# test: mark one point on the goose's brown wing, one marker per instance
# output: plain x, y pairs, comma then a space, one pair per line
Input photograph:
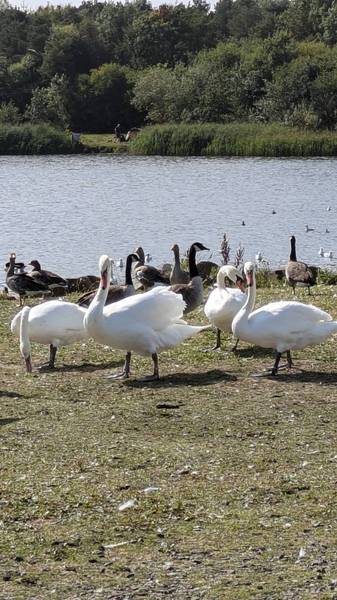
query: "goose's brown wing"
300, 272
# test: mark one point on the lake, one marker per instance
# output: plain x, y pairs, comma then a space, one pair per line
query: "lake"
68, 210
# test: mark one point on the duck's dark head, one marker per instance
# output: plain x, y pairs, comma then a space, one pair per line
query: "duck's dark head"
35, 264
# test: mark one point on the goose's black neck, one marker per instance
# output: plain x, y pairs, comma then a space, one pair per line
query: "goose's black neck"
191, 262
128, 278
292, 249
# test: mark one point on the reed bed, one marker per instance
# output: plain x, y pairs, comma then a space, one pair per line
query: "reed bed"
233, 139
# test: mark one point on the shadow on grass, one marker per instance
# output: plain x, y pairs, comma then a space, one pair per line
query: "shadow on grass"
320, 377
254, 352
86, 367
6, 394
9, 421
178, 379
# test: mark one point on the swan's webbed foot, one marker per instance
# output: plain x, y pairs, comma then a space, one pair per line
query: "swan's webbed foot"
217, 347
122, 375
47, 366
155, 375
212, 349
150, 378
125, 374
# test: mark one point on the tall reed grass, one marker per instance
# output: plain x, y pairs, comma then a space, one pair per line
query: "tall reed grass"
233, 139
34, 139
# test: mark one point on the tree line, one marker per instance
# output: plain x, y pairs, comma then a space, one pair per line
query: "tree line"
92, 66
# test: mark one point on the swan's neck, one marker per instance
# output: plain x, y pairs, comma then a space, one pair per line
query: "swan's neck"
292, 250
192, 264
128, 278
220, 279
248, 306
95, 310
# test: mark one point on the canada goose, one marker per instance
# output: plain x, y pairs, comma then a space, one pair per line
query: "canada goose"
298, 273
223, 303
19, 267
55, 323
22, 284
283, 326
192, 292
144, 323
178, 275
51, 280
116, 292
307, 229
146, 275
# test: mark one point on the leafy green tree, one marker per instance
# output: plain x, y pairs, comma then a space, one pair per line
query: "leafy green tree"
67, 52
104, 99
49, 104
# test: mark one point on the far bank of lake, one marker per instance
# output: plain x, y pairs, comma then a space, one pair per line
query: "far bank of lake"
209, 139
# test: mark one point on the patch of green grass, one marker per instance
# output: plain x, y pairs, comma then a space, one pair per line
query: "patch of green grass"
245, 471
103, 142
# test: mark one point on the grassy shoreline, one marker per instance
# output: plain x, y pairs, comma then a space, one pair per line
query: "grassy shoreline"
232, 139
209, 139
245, 469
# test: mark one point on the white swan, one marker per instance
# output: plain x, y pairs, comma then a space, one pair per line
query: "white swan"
25, 347
323, 254
147, 324
224, 303
55, 323
283, 326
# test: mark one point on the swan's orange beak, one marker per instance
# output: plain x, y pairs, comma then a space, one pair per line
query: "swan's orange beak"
104, 279
249, 277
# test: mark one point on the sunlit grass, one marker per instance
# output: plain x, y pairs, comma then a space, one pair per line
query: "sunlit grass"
245, 470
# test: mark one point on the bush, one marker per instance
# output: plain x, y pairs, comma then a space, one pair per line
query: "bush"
9, 114
34, 139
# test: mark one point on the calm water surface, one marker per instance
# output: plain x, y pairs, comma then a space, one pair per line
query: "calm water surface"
66, 211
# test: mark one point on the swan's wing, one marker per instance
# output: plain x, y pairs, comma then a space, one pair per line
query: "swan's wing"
157, 308
290, 316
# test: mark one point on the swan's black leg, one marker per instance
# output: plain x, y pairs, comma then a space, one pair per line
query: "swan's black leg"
125, 374
289, 359
155, 375
52, 355
217, 347
276, 364
234, 348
